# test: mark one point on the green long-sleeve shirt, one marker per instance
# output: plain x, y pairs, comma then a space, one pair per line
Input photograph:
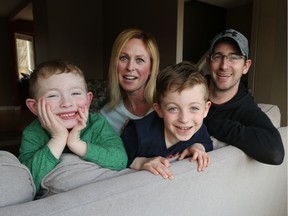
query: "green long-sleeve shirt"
105, 147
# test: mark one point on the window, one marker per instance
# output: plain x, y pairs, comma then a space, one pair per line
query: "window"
25, 55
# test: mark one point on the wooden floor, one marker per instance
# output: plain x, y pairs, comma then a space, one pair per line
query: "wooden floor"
12, 123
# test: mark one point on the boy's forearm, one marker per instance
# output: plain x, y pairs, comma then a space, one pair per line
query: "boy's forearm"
138, 163
56, 146
198, 146
113, 157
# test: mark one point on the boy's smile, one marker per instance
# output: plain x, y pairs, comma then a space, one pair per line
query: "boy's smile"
183, 113
67, 116
64, 94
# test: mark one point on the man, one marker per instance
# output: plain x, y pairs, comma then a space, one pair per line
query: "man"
234, 117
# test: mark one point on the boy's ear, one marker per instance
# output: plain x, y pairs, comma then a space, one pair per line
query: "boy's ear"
158, 110
89, 98
32, 105
207, 107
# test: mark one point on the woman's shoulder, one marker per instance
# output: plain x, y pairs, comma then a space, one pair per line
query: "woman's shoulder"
107, 110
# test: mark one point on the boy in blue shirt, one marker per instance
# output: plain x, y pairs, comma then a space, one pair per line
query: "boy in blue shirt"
175, 127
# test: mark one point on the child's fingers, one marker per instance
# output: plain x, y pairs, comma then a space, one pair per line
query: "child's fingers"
200, 161
83, 113
203, 162
165, 162
195, 156
208, 160
183, 154
45, 111
50, 115
165, 172
152, 170
81, 120
42, 111
86, 111
159, 166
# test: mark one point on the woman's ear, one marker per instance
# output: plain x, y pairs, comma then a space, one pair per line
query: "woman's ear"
32, 105
158, 110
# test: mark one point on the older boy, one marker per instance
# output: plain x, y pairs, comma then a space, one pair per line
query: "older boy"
176, 126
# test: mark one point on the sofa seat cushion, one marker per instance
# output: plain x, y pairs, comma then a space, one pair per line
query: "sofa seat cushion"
16, 184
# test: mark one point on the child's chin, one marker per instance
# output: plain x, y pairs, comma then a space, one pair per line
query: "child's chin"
69, 125
185, 138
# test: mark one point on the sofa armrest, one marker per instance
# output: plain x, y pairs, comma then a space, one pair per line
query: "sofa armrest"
16, 184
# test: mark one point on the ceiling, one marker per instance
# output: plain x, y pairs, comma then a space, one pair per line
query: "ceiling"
22, 9
227, 3
15, 9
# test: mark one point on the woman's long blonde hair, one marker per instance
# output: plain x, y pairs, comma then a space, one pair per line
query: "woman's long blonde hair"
116, 93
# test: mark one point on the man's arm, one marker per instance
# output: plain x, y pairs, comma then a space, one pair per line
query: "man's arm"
253, 133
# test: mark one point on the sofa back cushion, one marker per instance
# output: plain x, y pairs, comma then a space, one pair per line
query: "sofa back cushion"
273, 112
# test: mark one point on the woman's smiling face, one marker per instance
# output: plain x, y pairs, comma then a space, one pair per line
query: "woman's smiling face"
134, 66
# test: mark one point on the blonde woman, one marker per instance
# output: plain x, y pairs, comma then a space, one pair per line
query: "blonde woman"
133, 69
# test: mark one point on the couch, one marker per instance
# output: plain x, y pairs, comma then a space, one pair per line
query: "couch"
233, 185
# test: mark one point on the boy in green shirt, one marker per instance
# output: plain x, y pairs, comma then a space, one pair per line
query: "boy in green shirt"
61, 101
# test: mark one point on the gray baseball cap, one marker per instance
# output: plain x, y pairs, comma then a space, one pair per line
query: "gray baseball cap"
231, 35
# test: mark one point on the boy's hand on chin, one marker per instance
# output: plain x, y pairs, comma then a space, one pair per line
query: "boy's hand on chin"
74, 142
48, 120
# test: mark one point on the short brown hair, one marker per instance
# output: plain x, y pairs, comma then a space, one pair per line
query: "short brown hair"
178, 77
49, 68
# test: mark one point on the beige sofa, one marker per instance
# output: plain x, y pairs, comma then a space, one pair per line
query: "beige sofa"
234, 184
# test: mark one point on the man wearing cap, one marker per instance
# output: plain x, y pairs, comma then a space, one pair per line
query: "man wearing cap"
234, 117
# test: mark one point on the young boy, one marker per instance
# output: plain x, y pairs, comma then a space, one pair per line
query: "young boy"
176, 126
61, 101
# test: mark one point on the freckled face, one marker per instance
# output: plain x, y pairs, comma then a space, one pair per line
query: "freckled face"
134, 66
183, 113
64, 93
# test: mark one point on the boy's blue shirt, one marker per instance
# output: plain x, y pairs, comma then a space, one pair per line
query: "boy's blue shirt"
145, 138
